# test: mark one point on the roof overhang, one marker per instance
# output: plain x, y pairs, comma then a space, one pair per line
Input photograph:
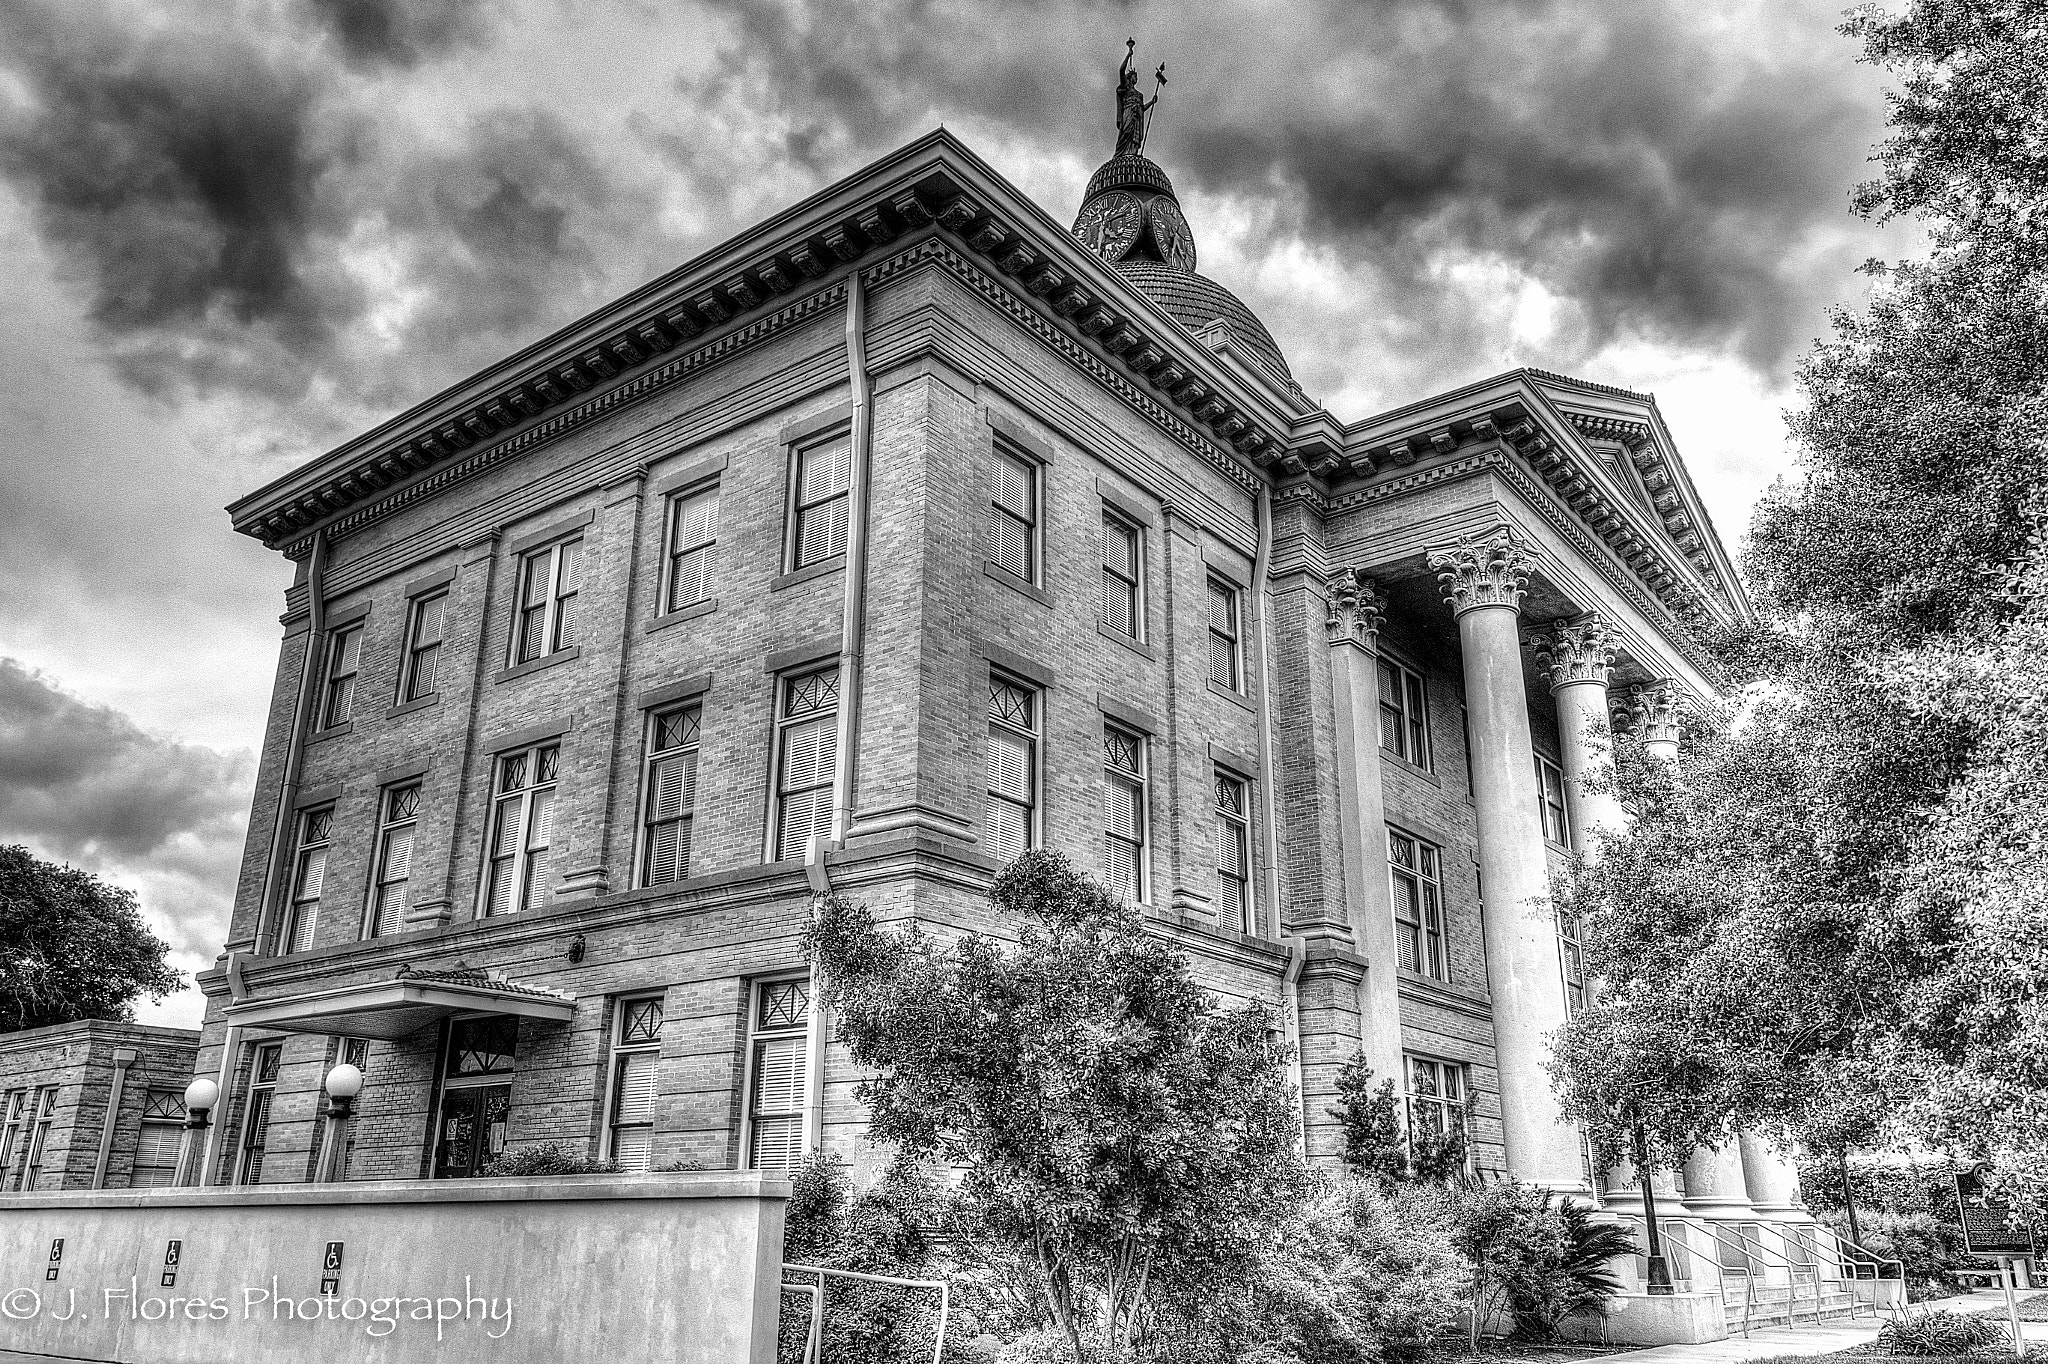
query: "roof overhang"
386, 1010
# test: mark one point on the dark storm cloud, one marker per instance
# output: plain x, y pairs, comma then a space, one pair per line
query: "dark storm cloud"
402, 32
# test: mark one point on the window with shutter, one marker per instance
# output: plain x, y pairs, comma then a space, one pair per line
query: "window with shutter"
344, 661
823, 483
636, 1054
1226, 659
1233, 854
423, 647
1013, 515
522, 830
1550, 802
1011, 811
1122, 561
308, 877
263, 1069
1418, 904
391, 896
778, 1071
156, 1148
807, 732
1437, 1092
669, 797
1124, 814
692, 542
549, 603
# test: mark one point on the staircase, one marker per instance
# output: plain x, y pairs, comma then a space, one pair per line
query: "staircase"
1777, 1305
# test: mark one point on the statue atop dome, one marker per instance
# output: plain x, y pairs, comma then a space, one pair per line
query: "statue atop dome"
1133, 110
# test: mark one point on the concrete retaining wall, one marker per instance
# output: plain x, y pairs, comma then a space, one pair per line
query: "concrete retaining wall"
673, 1267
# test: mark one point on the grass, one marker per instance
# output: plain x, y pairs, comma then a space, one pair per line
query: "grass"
1492, 1350
2031, 1309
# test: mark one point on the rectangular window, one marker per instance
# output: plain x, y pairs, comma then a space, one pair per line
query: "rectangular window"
309, 875
1404, 716
163, 1132
670, 797
1234, 853
548, 582
1123, 558
1011, 814
423, 635
1226, 645
1418, 904
1124, 813
391, 896
692, 544
636, 1051
344, 661
1013, 515
777, 1066
256, 1111
37, 1135
522, 830
1550, 800
1571, 960
806, 753
10, 1135
1437, 1092
822, 504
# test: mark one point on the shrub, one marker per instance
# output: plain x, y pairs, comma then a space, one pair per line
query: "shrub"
1531, 1260
1374, 1145
550, 1158
1929, 1247
1939, 1333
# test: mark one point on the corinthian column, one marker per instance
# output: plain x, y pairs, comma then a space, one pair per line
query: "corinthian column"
1356, 611
1577, 654
1655, 709
1483, 577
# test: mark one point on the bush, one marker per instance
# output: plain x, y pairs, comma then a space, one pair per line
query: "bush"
1531, 1260
1939, 1333
550, 1158
1929, 1247
1374, 1144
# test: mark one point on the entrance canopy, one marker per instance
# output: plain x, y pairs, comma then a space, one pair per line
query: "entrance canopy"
386, 1010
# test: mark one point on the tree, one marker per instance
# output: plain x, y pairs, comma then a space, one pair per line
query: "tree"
1828, 921
1111, 1118
1371, 1122
72, 946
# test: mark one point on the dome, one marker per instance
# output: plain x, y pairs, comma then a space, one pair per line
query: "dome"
1127, 172
1195, 301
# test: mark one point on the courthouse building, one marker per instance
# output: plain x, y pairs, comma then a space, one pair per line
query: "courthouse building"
910, 529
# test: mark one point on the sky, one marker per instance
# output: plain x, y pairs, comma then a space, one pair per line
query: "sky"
237, 232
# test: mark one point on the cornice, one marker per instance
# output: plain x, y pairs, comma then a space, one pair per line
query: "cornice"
732, 298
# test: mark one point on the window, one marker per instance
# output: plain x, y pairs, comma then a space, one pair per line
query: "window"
636, 1048
392, 894
1571, 959
1013, 515
1124, 813
423, 634
777, 1068
256, 1111
1418, 904
10, 1135
163, 1133
1436, 1096
37, 1135
1226, 647
308, 876
692, 542
522, 830
824, 474
1404, 717
1122, 567
806, 752
1011, 815
344, 660
1234, 853
670, 800
1550, 801
548, 579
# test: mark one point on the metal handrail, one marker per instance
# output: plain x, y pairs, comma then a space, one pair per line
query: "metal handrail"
1716, 1231
1877, 1261
817, 1340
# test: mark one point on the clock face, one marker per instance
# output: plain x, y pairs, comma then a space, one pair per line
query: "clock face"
1109, 224
1170, 230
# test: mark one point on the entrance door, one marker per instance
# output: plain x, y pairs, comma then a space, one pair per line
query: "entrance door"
472, 1129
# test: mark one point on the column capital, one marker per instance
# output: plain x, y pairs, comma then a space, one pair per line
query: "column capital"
1581, 649
1655, 711
1488, 569
1357, 608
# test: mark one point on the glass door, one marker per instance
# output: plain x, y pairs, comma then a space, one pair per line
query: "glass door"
476, 1096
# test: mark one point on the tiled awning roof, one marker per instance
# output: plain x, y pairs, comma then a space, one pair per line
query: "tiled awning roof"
390, 1009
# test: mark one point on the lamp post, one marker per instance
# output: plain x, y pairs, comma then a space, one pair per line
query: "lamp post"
1658, 1275
200, 1097
344, 1082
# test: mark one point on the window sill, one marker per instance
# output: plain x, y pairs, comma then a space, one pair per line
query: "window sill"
1143, 650
805, 574
337, 731
696, 612
1402, 764
431, 699
1015, 583
534, 665
1235, 697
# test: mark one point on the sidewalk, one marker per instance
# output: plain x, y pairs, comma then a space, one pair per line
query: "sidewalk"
1825, 1339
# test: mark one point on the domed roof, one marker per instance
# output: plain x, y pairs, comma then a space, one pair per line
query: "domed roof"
1128, 172
1195, 301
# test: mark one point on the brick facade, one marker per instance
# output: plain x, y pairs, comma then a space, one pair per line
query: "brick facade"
77, 1065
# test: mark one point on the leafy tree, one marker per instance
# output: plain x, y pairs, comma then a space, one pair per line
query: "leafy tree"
1374, 1144
72, 946
1827, 922
1112, 1120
